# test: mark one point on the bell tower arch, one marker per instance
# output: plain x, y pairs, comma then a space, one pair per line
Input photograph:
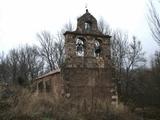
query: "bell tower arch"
87, 42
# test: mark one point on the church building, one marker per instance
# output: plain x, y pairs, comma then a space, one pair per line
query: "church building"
86, 76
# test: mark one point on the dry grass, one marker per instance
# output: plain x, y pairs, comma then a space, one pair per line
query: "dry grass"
23, 105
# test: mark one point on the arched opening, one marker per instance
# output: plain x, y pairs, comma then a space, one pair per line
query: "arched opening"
80, 47
97, 48
87, 26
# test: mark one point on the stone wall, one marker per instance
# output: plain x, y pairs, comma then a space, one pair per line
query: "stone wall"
88, 84
49, 84
88, 78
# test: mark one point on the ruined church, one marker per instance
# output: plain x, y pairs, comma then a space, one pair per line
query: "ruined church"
86, 75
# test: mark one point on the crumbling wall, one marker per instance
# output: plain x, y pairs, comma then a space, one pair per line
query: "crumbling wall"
51, 85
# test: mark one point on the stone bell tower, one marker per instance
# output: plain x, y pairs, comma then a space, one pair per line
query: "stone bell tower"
87, 70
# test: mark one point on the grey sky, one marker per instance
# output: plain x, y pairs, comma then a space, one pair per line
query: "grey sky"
20, 20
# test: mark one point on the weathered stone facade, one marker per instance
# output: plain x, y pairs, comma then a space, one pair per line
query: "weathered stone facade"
50, 84
86, 76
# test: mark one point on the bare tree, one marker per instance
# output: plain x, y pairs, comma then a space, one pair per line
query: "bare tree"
135, 55
67, 27
126, 58
155, 62
47, 49
119, 46
35, 61
21, 65
4, 68
104, 27
154, 21
30, 62
134, 59
59, 49
52, 48
12, 60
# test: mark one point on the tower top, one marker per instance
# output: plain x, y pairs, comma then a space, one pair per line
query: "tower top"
87, 23
87, 11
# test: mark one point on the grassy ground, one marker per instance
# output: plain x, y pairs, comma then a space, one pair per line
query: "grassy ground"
21, 104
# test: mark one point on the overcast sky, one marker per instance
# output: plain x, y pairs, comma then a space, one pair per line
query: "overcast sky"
20, 20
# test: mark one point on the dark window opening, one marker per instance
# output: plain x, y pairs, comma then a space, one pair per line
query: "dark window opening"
40, 86
48, 86
79, 47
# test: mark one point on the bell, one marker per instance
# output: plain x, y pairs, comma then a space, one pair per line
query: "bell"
97, 50
79, 48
